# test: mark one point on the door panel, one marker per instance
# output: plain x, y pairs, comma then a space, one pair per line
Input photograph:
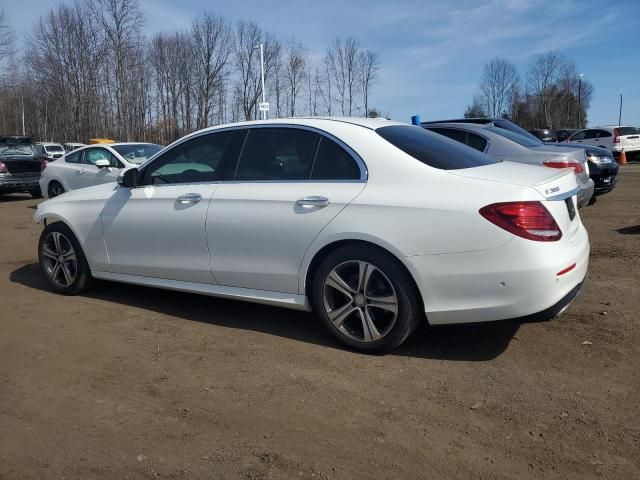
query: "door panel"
159, 231
258, 232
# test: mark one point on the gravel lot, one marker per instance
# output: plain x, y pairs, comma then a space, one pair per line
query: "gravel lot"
132, 382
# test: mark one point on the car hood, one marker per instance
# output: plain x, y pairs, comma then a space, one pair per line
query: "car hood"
549, 182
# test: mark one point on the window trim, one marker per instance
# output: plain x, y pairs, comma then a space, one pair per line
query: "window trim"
364, 172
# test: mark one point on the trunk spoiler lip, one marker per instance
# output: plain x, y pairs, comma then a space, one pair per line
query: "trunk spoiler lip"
564, 195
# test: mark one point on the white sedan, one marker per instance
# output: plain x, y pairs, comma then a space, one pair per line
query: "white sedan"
93, 165
375, 225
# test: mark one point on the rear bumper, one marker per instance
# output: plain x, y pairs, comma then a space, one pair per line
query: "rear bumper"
604, 176
585, 193
14, 183
516, 281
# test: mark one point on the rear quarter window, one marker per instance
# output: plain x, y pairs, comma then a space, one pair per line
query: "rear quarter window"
433, 149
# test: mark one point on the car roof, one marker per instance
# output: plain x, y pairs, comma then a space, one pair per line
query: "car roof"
45, 144
476, 126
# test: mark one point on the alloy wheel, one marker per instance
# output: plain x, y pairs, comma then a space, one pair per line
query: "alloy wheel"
360, 301
59, 258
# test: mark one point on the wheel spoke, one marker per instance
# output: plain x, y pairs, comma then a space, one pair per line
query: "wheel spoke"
55, 271
47, 252
389, 303
68, 278
56, 242
339, 315
369, 329
335, 281
69, 256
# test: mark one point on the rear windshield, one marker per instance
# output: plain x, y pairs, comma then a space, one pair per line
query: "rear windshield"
433, 149
54, 148
516, 137
627, 131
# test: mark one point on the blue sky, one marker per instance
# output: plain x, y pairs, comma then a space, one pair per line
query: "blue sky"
432, 52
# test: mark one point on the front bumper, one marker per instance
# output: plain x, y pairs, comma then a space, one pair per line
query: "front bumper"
604, 176
17, 183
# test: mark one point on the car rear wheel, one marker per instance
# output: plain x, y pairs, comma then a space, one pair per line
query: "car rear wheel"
55, 189
366, 298
62, 260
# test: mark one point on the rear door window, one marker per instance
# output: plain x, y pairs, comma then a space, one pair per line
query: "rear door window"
433, 149
277, 154
579, 135
333, 162
75, 157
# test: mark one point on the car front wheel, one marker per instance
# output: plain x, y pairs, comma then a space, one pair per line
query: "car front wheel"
55, 189
366, 298
62, 260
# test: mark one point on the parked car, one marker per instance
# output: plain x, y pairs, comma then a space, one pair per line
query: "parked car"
70, 147
49, 151
603, 169
545, 134
496, 122
93, 165
19, 167
611, 137
564, 133
504, 144
372, 224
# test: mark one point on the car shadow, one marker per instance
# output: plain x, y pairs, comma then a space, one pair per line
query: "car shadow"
13, 197
456, 343
634, 230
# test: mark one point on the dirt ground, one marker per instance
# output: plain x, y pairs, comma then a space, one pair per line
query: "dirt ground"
133, 382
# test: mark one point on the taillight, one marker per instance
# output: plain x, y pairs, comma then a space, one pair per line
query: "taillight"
530, 220
3, 168
616, 137
577, 167
43, 164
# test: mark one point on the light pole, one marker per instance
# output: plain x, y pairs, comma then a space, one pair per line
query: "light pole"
580, 75
261, 47
620, 114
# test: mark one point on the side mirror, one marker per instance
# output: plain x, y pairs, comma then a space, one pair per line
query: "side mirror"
129, 178
103, 163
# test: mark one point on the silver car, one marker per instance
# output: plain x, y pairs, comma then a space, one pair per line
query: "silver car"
504, 144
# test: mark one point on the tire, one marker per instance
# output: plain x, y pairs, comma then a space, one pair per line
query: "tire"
55, 188
36, 193
370, 303
73, 275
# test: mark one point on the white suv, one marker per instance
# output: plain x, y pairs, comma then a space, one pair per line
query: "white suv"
611, 137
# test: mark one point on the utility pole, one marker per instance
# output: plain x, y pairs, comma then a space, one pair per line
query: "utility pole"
620, 114
580, 99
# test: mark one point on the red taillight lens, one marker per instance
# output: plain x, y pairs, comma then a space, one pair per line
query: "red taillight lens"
616, 137
577, 167
3, 168
43, 164
530, 220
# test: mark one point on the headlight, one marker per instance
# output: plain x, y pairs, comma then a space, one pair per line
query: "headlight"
598, 157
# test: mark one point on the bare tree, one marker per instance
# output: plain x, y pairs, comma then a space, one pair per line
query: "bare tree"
499, 79
542, 76
368, 69
342, 58
295, 71
211, 42
7, 37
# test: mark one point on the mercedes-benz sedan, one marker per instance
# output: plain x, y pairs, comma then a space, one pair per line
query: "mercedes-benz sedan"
375, 225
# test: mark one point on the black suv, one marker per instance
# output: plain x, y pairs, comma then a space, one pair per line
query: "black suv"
19, 167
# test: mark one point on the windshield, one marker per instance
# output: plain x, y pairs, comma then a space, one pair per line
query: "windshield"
137, 153
17, 149
433, 149
512, 127
516, 137
54, 148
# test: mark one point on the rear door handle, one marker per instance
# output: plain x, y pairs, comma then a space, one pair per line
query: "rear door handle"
189, 198
313, 201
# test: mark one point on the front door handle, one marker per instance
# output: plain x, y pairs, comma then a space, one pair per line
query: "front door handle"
80, 171
189, 198
313, 201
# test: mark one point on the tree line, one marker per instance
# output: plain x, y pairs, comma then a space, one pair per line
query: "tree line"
552, 94
88, 70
